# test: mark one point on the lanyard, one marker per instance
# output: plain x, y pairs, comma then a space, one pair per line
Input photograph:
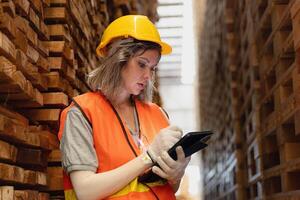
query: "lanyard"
123, 127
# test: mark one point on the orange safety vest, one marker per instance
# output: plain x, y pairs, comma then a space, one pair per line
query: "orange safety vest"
112, 147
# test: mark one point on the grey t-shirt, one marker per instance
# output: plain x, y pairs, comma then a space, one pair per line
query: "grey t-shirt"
77, 145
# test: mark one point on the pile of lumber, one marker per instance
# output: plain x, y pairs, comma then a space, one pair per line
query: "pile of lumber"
251, 53
47, 47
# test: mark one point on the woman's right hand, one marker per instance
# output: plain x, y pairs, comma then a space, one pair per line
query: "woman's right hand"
164, 140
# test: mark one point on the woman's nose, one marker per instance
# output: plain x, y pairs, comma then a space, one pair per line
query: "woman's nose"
148, 73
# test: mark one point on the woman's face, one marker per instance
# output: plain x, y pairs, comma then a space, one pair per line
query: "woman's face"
139, 70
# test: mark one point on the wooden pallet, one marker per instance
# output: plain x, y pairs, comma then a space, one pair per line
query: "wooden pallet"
255, 190
270, 157
265, 32
295, 14
283, 26
269, 113
254, 161
288, 90
272, 183
282, 181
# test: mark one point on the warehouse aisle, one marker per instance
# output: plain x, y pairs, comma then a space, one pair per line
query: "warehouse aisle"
177, 75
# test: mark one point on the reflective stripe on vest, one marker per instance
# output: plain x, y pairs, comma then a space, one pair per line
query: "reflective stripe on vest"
111, 146
134, 188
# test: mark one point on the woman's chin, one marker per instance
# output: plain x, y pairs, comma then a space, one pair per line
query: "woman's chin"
138, 92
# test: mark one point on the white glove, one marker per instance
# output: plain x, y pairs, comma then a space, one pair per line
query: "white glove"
164, 140
170, 169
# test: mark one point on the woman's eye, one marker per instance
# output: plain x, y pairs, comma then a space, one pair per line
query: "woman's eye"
142, 65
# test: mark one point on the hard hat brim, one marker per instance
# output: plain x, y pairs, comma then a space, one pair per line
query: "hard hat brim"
165, 48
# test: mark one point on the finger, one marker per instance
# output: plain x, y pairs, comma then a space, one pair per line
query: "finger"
163, 164
159, 172
168, 161
180, 154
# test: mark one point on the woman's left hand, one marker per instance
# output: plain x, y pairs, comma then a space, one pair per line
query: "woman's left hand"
172, 170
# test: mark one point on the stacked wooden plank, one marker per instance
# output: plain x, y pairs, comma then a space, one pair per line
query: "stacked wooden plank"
46, 49
220, 105
263, 63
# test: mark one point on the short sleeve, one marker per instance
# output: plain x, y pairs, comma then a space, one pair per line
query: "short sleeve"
77, 144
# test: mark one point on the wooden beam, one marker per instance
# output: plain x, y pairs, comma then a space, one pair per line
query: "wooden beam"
55, 178
41, 83
29, 70
42, 115
44, 32
56, 63
7, 25
43, 48
8, 7
11, 130
43, 196
56, 47
16, 85
35, 140
7, 193
32, 36
30, 177
59, 32
56, 14
35, 101
8, 152
17, 118
6, 70
34, 19
35, 178
48, 140
32, 54
69, 73
26, 195
7, 48
58, 2
26, 94
55, 99
21, 24
55, 156
22, 7
55, 82
41, 178
11, 173
43, 64
37, 5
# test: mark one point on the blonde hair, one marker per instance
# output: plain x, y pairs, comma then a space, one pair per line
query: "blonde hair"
107, 77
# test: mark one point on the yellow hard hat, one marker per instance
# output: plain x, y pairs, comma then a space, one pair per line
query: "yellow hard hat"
136, 26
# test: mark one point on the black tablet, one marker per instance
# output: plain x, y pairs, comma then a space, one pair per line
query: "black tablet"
190, 142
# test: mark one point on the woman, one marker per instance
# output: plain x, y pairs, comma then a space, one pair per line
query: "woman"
111, 136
